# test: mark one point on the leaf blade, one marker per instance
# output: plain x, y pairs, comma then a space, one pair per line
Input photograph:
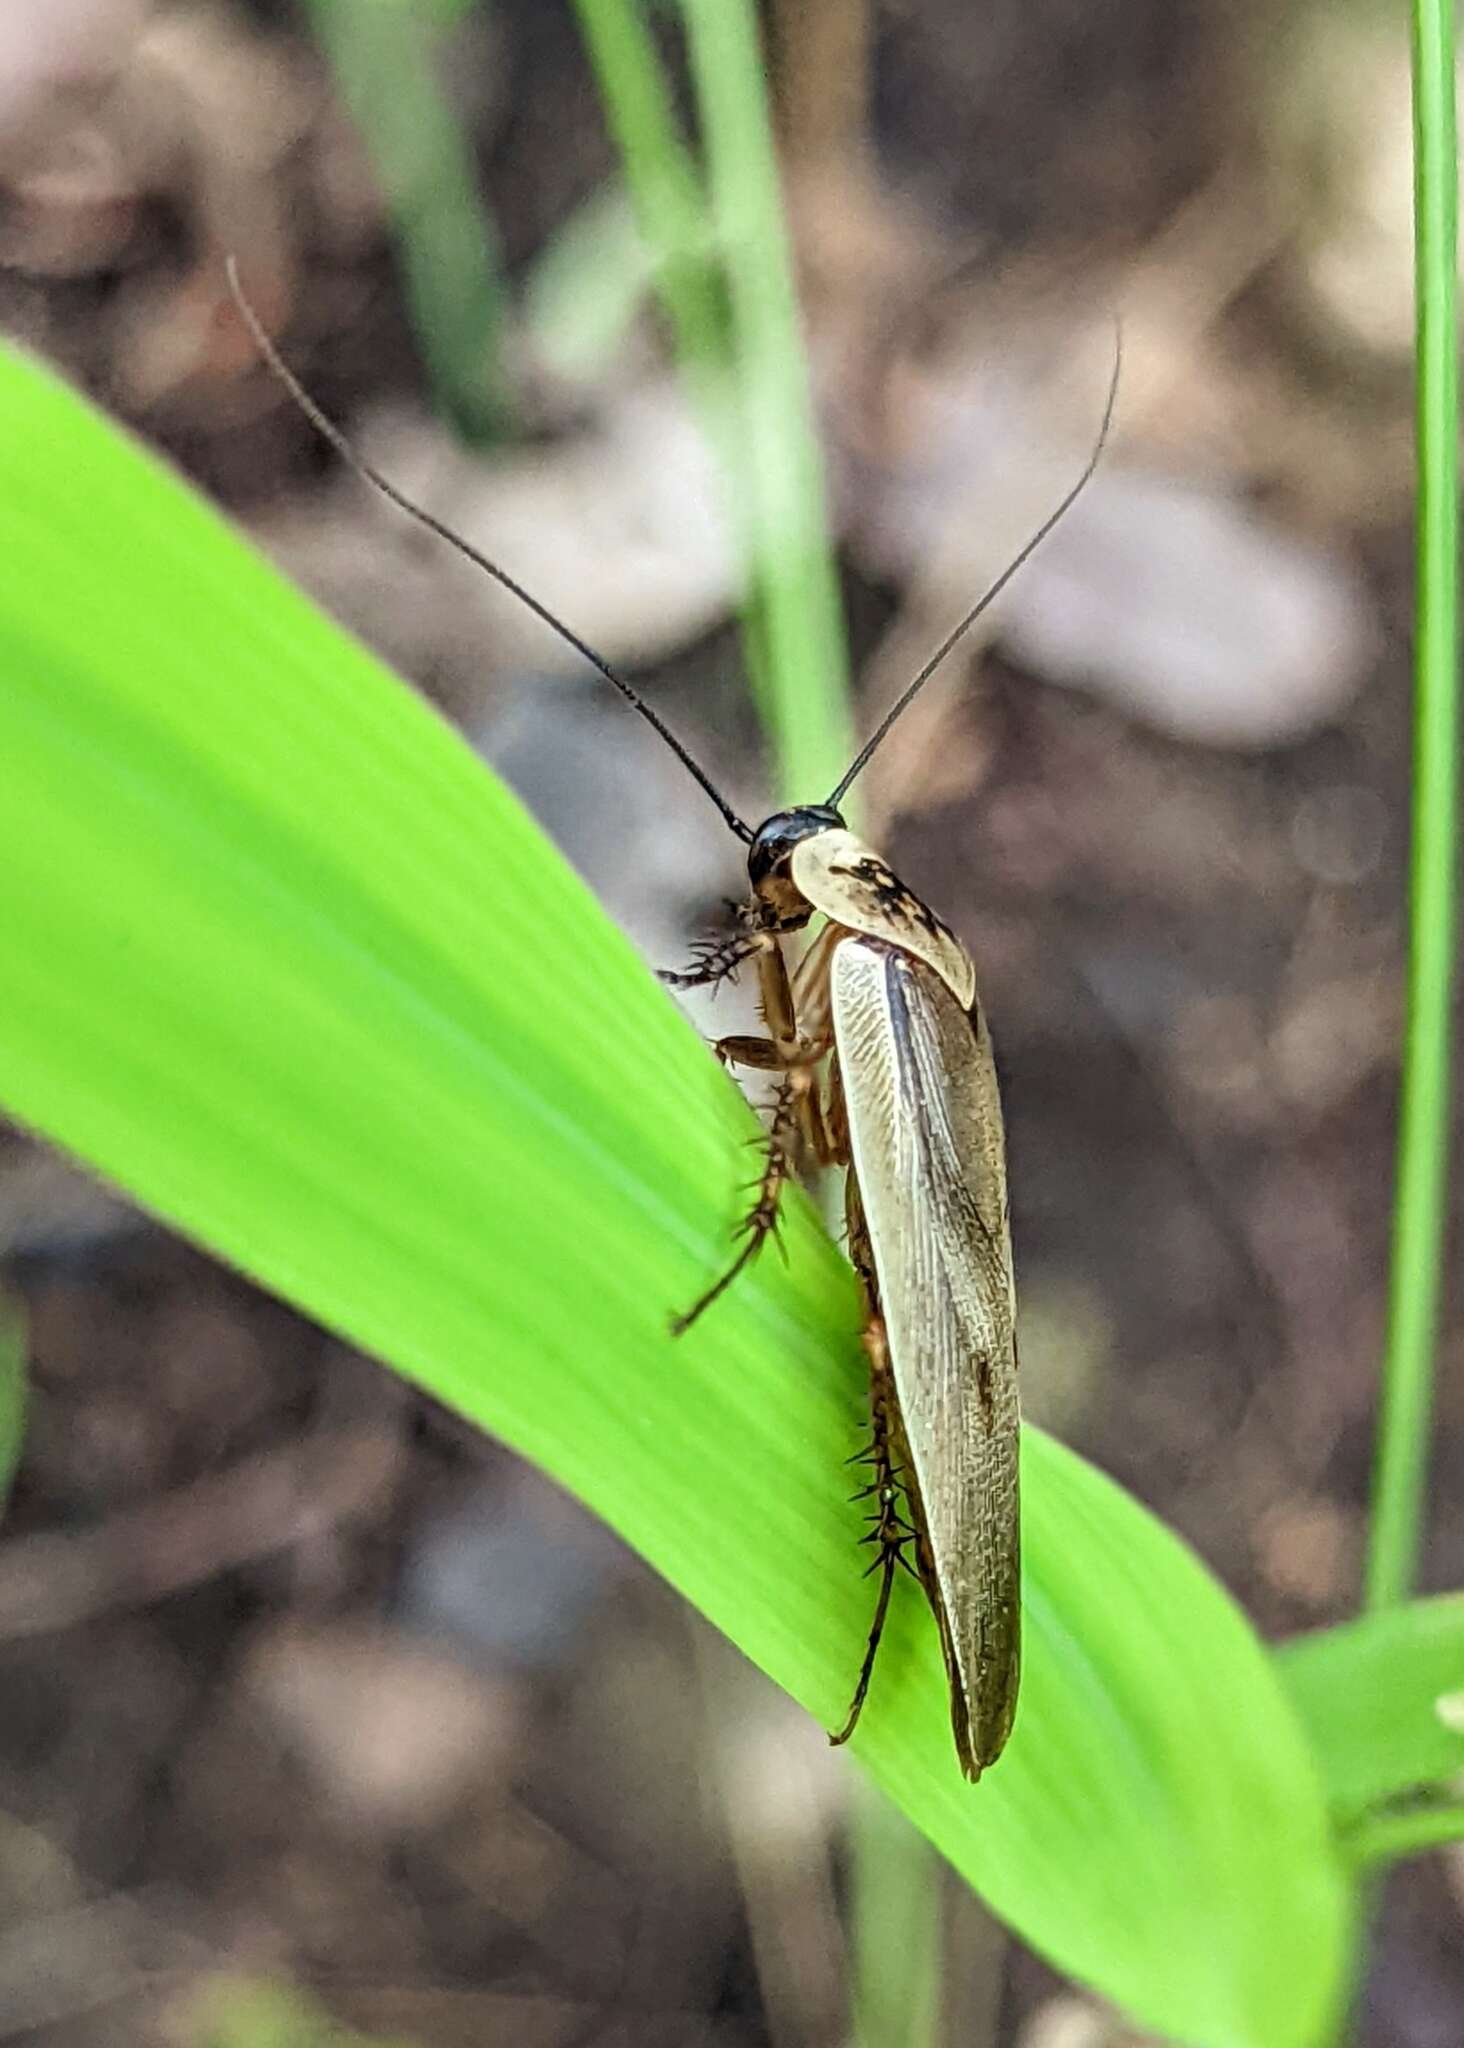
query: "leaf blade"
281, 957
1368, 1693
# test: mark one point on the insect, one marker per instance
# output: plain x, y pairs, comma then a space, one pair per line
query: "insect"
884, 1067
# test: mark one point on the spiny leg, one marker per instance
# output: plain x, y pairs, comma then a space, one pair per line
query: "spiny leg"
762, 1219
715, 960
886, 1586
888, 1528
761, 1053
795, 1112
820, 1127
797, 1058
785, 1045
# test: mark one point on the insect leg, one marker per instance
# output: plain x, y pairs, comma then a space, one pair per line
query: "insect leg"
749, 1052
836, 1113
715, 960
786, 1045
797, 1057
888, 1528
762, 1219
775, 995
826, 1122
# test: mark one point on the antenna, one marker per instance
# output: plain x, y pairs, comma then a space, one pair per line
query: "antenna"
331, 433
989, 596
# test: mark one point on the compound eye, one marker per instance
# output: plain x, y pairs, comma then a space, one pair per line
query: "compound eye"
768, 856
774, 841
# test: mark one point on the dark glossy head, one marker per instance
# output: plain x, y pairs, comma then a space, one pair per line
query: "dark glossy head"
770, 854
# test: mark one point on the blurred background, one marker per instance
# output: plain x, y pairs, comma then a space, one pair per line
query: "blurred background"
320, 1713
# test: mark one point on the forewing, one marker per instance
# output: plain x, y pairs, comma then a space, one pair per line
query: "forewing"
929, 1154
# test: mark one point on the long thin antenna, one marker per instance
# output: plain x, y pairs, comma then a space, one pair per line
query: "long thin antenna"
988, 597
330, 432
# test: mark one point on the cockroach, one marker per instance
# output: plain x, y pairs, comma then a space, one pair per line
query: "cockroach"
884, 1066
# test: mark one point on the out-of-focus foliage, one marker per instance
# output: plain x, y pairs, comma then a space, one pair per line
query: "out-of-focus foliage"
246, 2013
1371, 1694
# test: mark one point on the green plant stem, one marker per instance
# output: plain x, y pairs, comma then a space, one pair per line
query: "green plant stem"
1420, 1195
804, 682
738, 344
665, 187
1422, 1170
895, 1931
1386, 1838
386, 62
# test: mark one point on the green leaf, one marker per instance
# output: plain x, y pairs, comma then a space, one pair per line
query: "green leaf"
1369, 1694
279, 955
895, 1929
389, 63
579, 299
1425, 1121
739, 345
1391, 1835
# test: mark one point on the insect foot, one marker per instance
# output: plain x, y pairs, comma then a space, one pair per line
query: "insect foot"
713, 961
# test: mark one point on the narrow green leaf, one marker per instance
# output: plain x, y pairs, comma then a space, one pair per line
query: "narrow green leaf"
803, 688
389, 64
280, 956
1369, 1695
739, 345
894, 1931
1425, 1122
1391, 1837
578, 301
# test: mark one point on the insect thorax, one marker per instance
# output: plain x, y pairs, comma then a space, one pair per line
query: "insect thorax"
854, 886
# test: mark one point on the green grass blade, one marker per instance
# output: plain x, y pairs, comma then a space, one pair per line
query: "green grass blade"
665, 188
804, 684
1369, 1694
281, 957
895, 1929
386, 61
670, 206
738, 344
1390, 1837
581, 296
1420, 1199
